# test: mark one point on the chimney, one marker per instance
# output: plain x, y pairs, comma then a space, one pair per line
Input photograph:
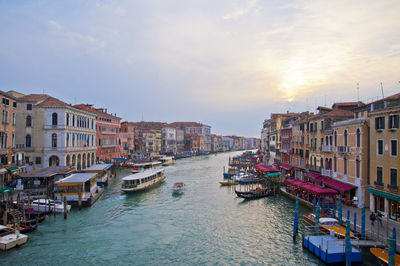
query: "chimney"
105, 110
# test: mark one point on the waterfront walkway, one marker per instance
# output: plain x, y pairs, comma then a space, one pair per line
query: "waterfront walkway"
379, 231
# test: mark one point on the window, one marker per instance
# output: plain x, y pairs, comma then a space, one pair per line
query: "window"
334, 164
345, 166
393, 147
28, 141
335, 139
380, 122
54, 140
67, 120
38, 160
29, 106
4, 117
54, 119
394, 121
357, 168
380, 147
73, 120
322, 125
15, 104
379, 175
358, 138
393, 177
345, 138
28, 121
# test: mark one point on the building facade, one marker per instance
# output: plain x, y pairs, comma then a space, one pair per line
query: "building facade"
8, 109
52, 133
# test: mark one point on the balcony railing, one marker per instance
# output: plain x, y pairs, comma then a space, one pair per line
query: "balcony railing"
378, 184
327, 148
393, 187
343, 149
313, 168
326, 172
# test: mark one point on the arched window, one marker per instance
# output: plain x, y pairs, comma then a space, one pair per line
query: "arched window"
334, 164
73, 120
28, 121
54, 140
335, 139
28, 141
67, 119
67, 137
54, 118
345, 138
358, 137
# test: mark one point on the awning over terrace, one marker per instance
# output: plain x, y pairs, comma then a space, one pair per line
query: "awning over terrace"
335, 184
312, 175
286, 167
265, 168
311, 188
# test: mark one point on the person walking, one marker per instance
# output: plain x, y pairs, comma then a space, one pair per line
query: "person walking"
372, 217
380, 218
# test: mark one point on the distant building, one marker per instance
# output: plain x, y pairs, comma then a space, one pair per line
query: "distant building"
196, 128
8, 110
107, 132
169, 140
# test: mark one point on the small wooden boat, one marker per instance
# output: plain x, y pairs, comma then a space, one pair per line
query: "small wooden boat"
229, 183
178, 187
254, 194
383, 255
326, 224
10, 238
25, 227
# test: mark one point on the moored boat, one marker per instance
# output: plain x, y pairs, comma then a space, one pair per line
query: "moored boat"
254, 193
383, 255
229, 183
167, 161
142, 181
327, 224
46, 206
10, 238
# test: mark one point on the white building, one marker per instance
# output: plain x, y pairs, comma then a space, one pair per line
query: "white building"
51, 132
169, 140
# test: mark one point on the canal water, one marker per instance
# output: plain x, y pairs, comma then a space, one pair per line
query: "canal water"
207, 224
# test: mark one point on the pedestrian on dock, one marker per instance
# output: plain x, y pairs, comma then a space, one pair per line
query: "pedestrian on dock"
372, 217
380, 218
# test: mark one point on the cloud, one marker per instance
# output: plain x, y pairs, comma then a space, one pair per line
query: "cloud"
251, 7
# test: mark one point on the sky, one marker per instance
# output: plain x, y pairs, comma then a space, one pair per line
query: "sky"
228, 64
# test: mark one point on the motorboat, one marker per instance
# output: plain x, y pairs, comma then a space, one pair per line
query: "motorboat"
178, 187
141, 167
10, 238
46, 205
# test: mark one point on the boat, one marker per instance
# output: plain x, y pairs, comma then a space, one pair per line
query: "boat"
25, 227
254, 193
10, 238
143, 180
178, 187
229, 183
326, 224
167, 161
383, 255
46, 206
140, 167
103, 172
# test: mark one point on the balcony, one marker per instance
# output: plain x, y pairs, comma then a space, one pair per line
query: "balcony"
343, 149
313, 168
326, 172
327, 148
378, 184
393, 188
3, 151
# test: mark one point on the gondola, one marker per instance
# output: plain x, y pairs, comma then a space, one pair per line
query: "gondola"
254, 194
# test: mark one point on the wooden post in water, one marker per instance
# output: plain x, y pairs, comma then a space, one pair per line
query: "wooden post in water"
80, 198
65, 207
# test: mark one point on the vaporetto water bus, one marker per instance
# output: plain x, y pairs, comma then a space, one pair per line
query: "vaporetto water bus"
140, 167
167, 161
142, 181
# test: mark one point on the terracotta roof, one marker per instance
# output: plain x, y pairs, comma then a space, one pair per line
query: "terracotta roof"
33, 98
186, 124
324, 108
347, 104
339, 112
50, 101
91, 109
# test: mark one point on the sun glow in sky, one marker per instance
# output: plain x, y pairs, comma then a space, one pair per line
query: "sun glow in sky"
224, 63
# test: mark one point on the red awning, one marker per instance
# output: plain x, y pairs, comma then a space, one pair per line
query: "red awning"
294, 182
312, 175
337, 185
286, 167
318, 190
265, 168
